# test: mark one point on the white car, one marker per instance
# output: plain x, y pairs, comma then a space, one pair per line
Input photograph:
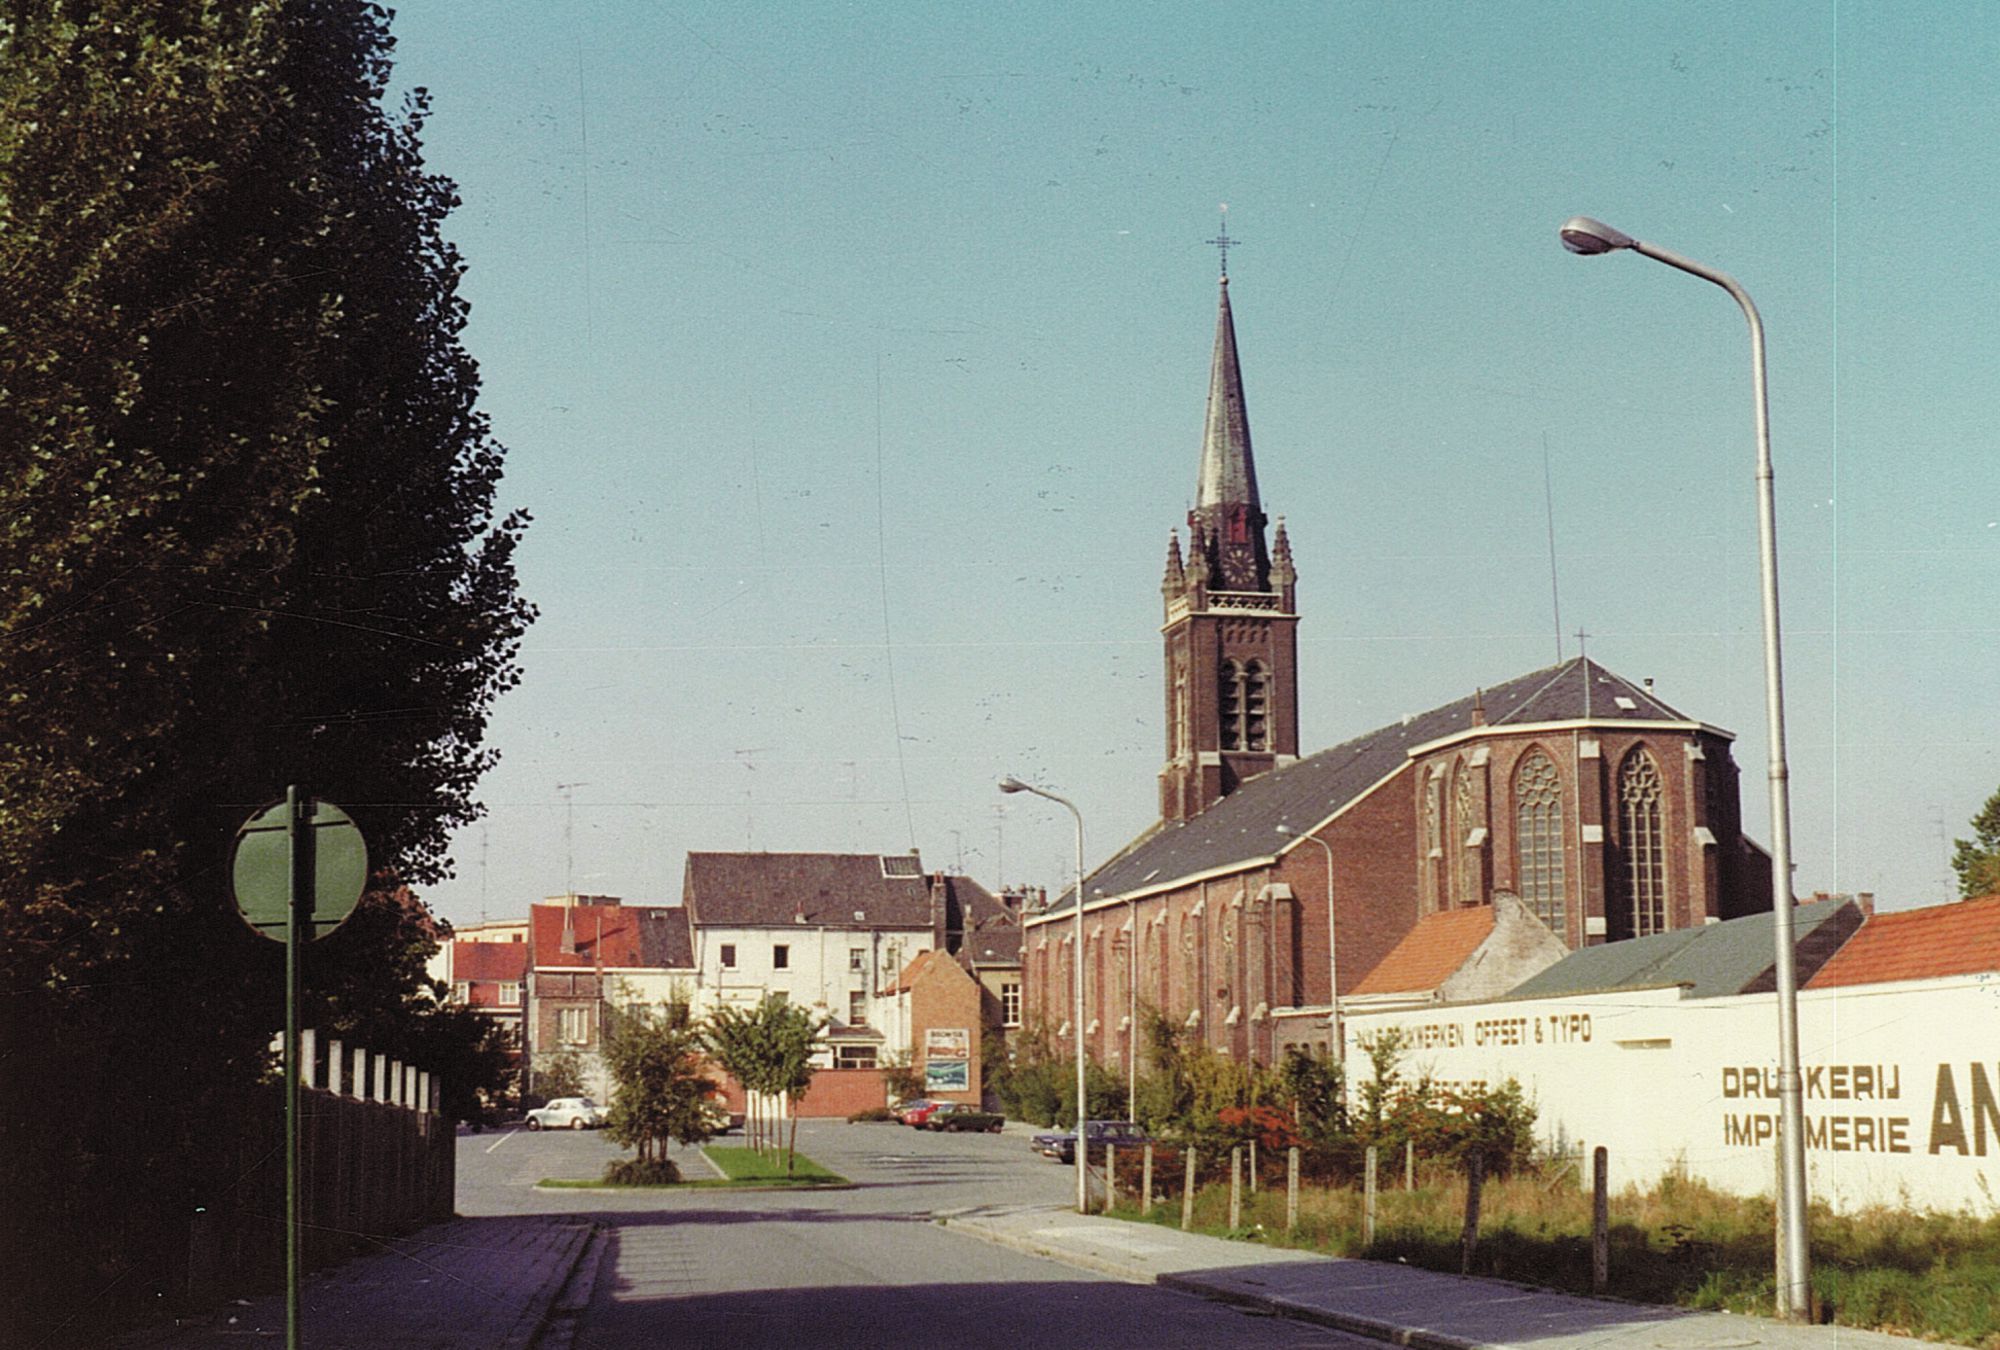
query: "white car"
576, 1113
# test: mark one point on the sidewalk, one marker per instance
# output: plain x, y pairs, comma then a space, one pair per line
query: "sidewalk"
1395, 1303
493, 1283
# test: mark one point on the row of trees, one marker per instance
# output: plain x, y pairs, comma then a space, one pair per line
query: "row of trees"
1194, 1094
660, 1059
248, 538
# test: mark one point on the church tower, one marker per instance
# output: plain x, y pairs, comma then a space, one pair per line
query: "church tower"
1231, 624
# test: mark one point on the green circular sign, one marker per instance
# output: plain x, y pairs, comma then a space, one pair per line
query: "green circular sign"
261, 870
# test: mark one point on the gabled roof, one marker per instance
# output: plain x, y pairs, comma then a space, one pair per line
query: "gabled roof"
1919, 944
832, 890
991, 931
1430, 952
489, 960
621, 937
1242, 828
906, 979
1736, 956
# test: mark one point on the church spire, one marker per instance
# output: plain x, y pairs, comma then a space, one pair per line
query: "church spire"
1226, 500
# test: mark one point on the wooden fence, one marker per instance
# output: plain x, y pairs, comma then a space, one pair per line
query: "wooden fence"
375, 1160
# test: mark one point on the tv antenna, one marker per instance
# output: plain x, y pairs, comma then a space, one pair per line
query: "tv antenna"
568, 791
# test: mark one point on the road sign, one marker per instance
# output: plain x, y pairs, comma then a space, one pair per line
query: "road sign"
262, 868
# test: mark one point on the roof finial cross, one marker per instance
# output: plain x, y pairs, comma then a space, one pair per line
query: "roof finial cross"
1222, 241
1583, 644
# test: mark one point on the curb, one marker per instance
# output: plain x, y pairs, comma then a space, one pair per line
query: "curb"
556, 1329
1351, 1323
1129, 1274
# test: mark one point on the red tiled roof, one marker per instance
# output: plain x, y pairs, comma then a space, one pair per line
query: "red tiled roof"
908, 979
1918, 944
1430, 953
489, 960
627, 937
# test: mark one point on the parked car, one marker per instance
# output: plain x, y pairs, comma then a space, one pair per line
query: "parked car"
1100, 1133
913, 1111
963, 1116
575, 1113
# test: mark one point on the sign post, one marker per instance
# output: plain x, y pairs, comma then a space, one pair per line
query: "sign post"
298, 869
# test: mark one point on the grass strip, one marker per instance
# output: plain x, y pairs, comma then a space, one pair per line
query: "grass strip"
741, 1164
1679, 1243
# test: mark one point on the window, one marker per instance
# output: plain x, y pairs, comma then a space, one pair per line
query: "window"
573, 1026
729, 956
854, 1057
902, 865
1231, 692
1464, 820
857, 960
1643, 836
857, 1007
781, 956
510, 994
461, 991
1010, 1005
1538, 839
1256, 691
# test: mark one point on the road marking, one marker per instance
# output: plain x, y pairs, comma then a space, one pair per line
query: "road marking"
501, 1140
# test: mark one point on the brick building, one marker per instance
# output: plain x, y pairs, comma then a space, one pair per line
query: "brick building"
593, 952
1607, 812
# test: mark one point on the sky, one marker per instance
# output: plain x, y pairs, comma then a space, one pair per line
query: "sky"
852, 362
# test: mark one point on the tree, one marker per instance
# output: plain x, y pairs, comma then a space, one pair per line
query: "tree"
655, 1057
1977, 860
247, 538
769, 1050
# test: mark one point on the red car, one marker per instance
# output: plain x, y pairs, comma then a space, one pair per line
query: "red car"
916, 1110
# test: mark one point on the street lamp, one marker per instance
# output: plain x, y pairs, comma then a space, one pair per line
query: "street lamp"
1583, 235
1082, 1150
1332, 958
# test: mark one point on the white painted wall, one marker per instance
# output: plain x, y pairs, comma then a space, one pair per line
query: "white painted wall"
1902, 1083
818, 971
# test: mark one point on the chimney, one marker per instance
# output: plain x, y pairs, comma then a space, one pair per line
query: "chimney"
1866, 900
568, 944
1479, 707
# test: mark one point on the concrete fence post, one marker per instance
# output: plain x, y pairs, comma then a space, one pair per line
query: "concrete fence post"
1600, 1220
1475, 1181
381, 1092
1409, 1164
333, 1066
1368, 1198
1253, 1164
410, 1086
1236, 1187
1187, 1193
308, 1058
1110, 1177
1146, 1181
424, 1092
1291, 1188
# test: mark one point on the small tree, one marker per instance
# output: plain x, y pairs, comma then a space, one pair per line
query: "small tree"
655, 1058
560, 1075
1977, 860
796, 1035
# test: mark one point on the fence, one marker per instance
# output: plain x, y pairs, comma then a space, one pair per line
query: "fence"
375, 1160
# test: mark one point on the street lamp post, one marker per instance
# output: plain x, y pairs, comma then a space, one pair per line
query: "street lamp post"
1332, 950
1082, 1150
1583, 235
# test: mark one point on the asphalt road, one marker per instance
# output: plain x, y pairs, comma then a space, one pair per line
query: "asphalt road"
851, 1268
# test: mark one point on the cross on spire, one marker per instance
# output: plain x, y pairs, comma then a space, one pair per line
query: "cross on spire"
1222, 241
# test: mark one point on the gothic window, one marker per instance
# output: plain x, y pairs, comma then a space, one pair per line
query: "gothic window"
1232, 706
1256, 699
1179, 728
1538, 839
1642, 833
1464, 820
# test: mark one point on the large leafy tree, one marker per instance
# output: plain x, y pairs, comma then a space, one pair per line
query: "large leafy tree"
1977, 860
655, 1057
247, 538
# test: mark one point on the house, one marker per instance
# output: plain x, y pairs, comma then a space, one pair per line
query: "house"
983, 933
591, 954
1459, 956
826, 930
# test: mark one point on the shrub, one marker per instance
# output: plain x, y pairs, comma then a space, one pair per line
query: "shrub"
873, 1113
641, 1172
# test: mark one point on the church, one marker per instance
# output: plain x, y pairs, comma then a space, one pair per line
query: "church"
1568, 801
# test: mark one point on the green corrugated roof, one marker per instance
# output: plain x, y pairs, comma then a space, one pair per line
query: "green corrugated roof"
1736, 956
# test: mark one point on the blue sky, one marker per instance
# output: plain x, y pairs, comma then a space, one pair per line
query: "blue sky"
852, 361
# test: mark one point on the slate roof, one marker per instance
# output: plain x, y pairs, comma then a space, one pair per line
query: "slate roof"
1242, 827
1919, 944
833, 890
991, 931
621, 937
1431, 952
1736, 956
489, 960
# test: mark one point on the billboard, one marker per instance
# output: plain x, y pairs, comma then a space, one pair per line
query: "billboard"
947, 1059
